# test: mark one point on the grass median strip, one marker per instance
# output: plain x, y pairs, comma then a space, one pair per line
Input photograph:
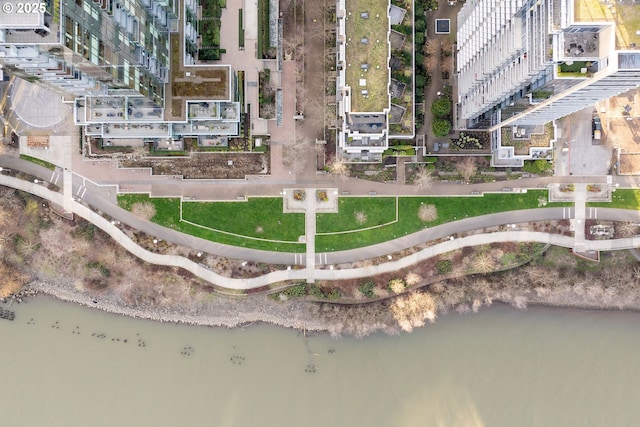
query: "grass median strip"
37, 161
258, 223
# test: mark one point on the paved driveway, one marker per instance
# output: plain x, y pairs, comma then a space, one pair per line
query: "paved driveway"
582, 157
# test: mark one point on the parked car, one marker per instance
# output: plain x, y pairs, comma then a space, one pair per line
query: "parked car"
596, 127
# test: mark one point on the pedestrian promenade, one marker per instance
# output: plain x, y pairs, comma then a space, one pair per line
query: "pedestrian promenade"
306, 273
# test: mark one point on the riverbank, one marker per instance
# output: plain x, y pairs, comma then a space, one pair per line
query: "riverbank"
222, 311
573, 284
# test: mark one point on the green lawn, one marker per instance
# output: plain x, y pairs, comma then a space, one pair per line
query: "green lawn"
258, 217
263, 217
449, 209
242, 218
622, 199
379, 210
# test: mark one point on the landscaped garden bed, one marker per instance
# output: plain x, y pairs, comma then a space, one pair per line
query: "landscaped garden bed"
471, 141
267, 95
402, 58
209, 30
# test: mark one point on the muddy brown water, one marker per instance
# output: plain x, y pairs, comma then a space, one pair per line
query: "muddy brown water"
65, 365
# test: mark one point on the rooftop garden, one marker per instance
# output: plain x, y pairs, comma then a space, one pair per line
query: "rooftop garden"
207, 84
573, 69
367, 54
522, 145
403, 71
209, 30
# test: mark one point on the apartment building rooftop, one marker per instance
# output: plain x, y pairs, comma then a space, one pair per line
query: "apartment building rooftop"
367, 54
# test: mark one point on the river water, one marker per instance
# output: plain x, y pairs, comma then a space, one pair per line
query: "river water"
65, 365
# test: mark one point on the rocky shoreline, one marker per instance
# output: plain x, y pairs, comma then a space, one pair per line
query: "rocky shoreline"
238, 312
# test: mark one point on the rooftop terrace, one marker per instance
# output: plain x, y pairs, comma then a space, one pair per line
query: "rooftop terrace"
625, 13
367, 52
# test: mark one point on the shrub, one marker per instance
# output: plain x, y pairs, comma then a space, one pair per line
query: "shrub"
441, 128
404, 29
334, 294
316, 292
441, 107
444, 266
412, 279
367, 288
97, 265
298, 290
396, 286
537, 166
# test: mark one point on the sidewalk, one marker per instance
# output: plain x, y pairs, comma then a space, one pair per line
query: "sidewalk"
307, 273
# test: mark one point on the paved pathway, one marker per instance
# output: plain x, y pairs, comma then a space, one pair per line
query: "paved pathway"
303, 274
580, 200
101, 198
310, 236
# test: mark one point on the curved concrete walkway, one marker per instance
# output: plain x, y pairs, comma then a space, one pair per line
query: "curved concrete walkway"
302, 274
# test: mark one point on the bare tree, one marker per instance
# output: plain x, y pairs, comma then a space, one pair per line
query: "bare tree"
361, 217
146, 210
296, 154
12, 280
467, 168
4, 217
339, 167
427, 213
424, 178
6, 195
268, 110
446, 64
432, 48
294, 47
413, 310
431, 62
